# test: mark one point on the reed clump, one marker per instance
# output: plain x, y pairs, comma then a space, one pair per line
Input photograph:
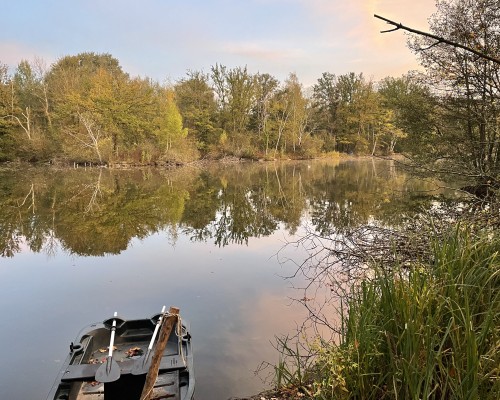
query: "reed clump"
425, 331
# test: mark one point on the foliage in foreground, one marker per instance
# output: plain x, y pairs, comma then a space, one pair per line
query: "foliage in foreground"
431, 332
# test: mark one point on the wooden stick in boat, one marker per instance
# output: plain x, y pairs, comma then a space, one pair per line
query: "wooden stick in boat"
165, 331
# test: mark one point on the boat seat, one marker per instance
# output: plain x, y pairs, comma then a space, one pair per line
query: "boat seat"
86, 372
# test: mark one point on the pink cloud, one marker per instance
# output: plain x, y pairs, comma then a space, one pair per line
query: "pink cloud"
12, 53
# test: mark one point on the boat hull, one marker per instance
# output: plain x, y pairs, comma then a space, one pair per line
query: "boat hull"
76, 380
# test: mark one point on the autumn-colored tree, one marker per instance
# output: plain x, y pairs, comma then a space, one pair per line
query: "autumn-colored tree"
468, 88
82, 89
169, 128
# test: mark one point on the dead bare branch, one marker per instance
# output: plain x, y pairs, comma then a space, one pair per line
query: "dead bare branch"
437, 38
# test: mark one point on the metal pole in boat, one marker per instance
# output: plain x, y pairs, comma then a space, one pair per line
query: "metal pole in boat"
142, 364
109, 371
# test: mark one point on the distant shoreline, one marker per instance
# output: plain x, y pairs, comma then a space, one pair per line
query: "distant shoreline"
227, 160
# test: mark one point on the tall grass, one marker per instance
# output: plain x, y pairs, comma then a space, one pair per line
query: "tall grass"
425, 332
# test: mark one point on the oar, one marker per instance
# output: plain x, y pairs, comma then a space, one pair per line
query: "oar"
109, 371
141, 366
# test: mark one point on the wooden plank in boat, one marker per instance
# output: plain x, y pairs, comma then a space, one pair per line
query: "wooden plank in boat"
87, 371
166, 387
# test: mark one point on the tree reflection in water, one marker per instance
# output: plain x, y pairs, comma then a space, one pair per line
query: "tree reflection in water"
99, 211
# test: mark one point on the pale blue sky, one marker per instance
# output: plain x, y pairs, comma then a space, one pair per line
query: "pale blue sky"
162, 39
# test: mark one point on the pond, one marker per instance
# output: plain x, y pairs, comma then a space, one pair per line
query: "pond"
78, 244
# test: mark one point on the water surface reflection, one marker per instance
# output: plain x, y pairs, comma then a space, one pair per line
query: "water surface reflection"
98, 212
77, 245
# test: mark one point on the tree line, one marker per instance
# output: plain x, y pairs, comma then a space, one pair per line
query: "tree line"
85, 108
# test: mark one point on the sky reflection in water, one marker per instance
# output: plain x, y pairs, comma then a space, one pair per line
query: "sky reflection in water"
232, 296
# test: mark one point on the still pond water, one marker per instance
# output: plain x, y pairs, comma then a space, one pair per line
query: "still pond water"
77, 245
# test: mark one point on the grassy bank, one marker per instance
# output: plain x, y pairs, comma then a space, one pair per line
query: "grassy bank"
428, 331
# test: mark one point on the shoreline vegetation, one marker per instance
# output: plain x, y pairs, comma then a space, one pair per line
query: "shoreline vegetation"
229, 159
418, 319
221, 160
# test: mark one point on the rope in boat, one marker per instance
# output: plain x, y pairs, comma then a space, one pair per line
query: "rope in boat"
178, 332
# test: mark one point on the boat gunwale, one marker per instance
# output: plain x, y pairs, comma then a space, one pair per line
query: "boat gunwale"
186, 365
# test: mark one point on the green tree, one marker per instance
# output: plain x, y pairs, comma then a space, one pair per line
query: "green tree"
356, 114
196, 102
265, 88
412, 107
29, 111
325, 103
25, 85
234, 90
6, 121
280, 111
364, 114
5, 99
297, 138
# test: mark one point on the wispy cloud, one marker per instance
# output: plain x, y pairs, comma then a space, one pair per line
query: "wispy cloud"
262, 51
